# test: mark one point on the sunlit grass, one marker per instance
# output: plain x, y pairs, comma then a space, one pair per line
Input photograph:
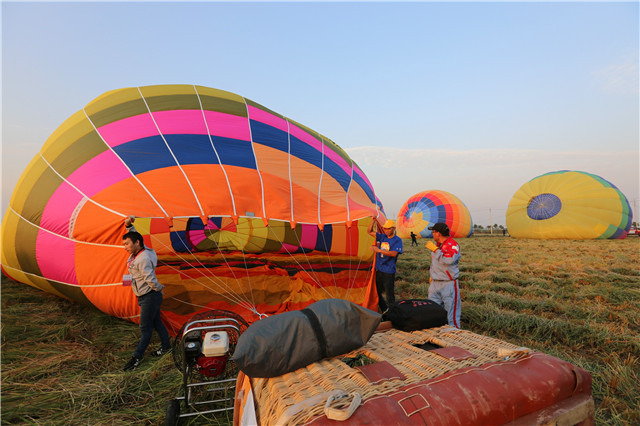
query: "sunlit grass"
577, 300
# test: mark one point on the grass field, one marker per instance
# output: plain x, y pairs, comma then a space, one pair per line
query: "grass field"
577, 300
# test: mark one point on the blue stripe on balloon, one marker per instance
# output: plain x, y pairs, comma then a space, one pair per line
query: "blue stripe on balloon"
179, 241
278, 139
617, 234
151, 153
142, 155
234, 152
323, 240
269, 136
192, 149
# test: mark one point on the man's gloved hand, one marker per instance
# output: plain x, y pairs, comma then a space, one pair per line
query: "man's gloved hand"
431, 246
129, 220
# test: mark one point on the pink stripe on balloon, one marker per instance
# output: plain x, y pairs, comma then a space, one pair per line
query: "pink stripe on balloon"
309, 236
337, 159
100, 172
354, 207
56, 257
59, 208
180, 122
175, 122
228, 125
305, 137
266, 118
128, 129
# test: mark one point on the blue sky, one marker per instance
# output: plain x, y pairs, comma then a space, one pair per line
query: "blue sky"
470, 98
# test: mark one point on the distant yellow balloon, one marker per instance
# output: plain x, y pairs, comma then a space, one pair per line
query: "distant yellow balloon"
568, 205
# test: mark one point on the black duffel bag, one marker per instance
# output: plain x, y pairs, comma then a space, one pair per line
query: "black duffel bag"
416, 314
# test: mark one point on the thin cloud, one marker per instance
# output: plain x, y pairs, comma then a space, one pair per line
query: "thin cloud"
485, 180
620, 78
389, 157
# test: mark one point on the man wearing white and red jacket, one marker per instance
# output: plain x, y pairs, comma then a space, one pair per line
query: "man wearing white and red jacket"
444, 272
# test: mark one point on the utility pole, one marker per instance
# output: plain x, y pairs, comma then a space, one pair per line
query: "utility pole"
490, 222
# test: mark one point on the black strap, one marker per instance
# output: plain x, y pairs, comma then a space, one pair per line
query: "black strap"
317, 330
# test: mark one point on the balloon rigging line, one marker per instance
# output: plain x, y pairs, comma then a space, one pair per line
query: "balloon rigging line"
289, 161
187, 246
315, 280
320, 182
349, 188
328, 256
244, 259
348, 221
369, 272
221, 284
264, 212
133, 175
171, 152
76, 188
236, 299
224, 171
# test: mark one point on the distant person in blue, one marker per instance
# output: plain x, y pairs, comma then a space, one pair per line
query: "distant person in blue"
388, 246
413, 239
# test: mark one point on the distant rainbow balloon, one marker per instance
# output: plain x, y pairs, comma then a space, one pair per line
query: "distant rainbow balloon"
569, 205
426, 208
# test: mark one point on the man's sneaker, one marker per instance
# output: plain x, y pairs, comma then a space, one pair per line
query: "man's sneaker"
160, 351
133, 363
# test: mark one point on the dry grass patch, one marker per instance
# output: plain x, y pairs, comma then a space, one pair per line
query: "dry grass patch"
577, 300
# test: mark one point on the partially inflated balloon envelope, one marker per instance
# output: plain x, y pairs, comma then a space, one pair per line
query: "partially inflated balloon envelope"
571, 205
424, 209
247, 210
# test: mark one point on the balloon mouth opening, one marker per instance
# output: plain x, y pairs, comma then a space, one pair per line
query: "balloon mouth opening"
544, 206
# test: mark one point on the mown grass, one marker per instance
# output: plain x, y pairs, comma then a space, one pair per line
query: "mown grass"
577, 300
62, 365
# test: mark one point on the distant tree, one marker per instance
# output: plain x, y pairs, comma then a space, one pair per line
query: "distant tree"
480, 227
501, 227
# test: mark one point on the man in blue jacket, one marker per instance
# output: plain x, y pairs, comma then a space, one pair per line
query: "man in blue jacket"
388, 246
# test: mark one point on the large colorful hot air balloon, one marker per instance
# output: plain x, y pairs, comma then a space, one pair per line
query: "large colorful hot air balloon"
248, 210
426, 208
568, 204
